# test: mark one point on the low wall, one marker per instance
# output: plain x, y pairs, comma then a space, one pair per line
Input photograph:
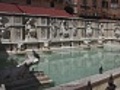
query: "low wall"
98, 81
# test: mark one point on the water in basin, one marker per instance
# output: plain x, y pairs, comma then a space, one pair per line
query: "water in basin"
69, 65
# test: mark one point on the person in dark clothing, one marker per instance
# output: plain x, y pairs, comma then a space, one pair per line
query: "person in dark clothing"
101, 70
111, 85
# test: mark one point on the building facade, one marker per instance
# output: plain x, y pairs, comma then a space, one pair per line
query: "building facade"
98, 8
84, 8
42, 3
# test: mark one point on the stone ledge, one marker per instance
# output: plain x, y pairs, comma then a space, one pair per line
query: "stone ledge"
96, 80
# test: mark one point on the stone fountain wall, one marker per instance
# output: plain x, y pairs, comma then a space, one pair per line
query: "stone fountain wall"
25, 31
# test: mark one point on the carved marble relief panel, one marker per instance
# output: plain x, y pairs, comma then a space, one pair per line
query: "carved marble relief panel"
75, 31
55, 28
30, 29
65, 29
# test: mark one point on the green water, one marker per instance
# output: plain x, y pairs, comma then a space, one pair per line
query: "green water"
69, 65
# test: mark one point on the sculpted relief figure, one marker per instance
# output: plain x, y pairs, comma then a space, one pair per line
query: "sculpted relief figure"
89, 30
55, 27
30, 30
64, 27
67, 27
117, 31
60, 28
74, 28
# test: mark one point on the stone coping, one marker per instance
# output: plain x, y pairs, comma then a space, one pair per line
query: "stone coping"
60, 40
95, 81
